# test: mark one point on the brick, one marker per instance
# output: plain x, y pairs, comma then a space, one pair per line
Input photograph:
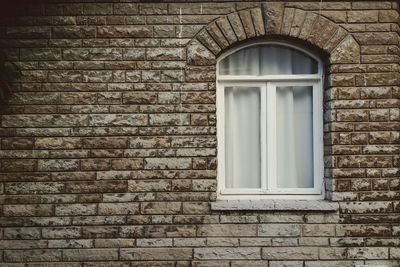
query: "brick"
22, 233
70, 243
279, 230
118, 208
226, 253
28, 210
90, 254
58, 165
34, 188
161, 208
97, 186
362, 16
156, 254
168, 163
124, 31
126, 8
32, 255
367, 253
58, 143
126, 164
157, 185
40, 54
228, 230
282, 253
44, 120
75, 209
64, 232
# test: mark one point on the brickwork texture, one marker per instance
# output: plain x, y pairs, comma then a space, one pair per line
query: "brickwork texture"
108, 142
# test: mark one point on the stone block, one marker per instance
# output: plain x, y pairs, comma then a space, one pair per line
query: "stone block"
226, 253
126, 164
368, 253
34, 188
247, 23
32, 255
237, 26
124, 31
226, 29
227, 230
40, 54
73, 32
75, 209
136, 254
167, 163
273, 14
126, 9
294, 253
97, 186
90, 254
58, 165
61, 232
28, 210
161, 208
279, 230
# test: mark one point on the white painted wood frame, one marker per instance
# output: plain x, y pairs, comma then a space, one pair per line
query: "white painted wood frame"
268, 85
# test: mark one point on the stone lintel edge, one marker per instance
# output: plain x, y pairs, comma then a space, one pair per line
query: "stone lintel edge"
275, 205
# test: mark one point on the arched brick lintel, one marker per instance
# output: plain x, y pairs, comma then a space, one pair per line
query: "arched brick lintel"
272, 19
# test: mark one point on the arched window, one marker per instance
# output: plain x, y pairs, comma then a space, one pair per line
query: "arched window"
269, 122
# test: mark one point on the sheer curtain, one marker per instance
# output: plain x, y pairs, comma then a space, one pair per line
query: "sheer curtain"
293, 115
294, 137
267, 60
242, 137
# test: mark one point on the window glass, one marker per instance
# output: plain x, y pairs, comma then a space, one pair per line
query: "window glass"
294, 131
268, 60
242, 137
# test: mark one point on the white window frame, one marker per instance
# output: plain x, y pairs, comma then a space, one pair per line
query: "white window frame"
267, 85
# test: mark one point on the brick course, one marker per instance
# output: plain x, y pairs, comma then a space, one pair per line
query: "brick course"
108, 142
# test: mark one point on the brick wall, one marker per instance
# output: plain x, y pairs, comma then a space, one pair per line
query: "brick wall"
108, 143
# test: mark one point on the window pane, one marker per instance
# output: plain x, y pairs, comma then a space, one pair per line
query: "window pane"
294, 111
242, 137
268, 60
242, 62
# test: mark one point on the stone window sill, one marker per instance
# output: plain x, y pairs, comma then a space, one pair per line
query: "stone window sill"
275, 205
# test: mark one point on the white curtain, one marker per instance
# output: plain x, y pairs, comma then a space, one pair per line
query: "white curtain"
267, 59
294, 137
242, 137
293, 114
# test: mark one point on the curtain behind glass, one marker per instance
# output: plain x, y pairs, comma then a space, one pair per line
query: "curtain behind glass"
242, 137
294, 119
268, 60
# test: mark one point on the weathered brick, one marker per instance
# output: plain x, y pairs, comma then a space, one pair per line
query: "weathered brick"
279, 230
75, 209
281, 253
161, 208
32, 255
124, 31
226, 253
58, 165
368, 253
90, 254
28, 210
156, 254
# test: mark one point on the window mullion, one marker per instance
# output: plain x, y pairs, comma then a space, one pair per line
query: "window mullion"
263, 139
271, 136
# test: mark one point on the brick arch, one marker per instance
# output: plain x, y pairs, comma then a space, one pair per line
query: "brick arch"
271, 19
